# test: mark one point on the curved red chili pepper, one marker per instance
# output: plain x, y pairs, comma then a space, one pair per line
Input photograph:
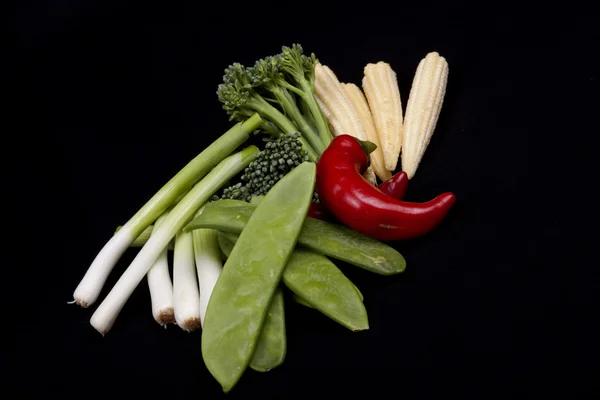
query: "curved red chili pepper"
364, 208
395, 186
317, 210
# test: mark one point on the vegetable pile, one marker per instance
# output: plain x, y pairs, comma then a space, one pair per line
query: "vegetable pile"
248, 224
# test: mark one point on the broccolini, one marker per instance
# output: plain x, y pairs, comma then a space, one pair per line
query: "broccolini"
280, 89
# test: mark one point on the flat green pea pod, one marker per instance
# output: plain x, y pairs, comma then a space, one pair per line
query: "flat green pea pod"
301, 301
319, 284
272, 344
360, 295
333, 240
242, 296
226, 242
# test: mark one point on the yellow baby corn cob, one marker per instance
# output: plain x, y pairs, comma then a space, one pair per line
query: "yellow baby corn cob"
423, 109
338, 109
383, 95
358, 100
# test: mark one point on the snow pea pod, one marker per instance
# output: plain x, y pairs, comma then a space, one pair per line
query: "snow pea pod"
333, 240
301, 301
226, 243
319, 284
242, 295
272, 344
360, 295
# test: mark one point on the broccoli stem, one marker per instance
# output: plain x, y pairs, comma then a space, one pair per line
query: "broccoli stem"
269, 112
311, 109
290, 108
270, 129
308, 115
304, 78
317, 115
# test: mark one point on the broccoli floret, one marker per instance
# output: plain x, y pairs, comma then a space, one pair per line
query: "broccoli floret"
300, 68
280, 89
268, 78
239, 96
278, 158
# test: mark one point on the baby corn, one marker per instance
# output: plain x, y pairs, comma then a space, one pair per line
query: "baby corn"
423, 109
383, 95
338, 108
358, 100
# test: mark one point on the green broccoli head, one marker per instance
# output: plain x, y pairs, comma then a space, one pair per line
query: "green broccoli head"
235, 91
266, 71
298, 65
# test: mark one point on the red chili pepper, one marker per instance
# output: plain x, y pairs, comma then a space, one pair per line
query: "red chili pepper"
317, 210
364, 208
395, 186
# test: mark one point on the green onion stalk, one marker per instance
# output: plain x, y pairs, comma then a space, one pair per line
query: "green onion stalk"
94, 279
107, 312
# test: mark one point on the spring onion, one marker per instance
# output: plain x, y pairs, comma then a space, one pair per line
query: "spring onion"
161, 288
186, 294
106, 314
141, 240
90, 286
208, 264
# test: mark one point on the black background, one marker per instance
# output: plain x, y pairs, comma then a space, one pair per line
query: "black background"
497, 301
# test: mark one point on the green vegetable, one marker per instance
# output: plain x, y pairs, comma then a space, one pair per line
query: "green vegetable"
107, 312
318, 283
300, 300
240, 99
277, 159
360, 295
280, 89
141, 240
256, 199
332, 240
226, 242
268, 79
243, 293
322, 285
300, 68
271, 346
92, 283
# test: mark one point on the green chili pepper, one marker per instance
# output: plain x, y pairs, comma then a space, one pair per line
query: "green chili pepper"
242, 295
319, 284
333, 240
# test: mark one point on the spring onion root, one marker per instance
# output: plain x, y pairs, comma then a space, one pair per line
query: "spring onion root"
106, 314
161, 288
208, 264
93, 281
